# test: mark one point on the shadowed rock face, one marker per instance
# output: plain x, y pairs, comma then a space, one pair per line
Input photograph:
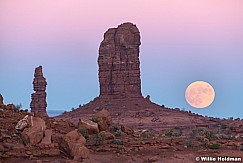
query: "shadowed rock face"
119, 66
1, 99
38, 102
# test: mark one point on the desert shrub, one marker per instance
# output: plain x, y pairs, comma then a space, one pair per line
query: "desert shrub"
18, 106
20, 140
176, 133
241, 148
222, 126
98, 109
114, 128
3, 152
209, 134
230, 118
84, 132
15, 122
95, 119
196, 132
168, 133
147, 134
98, 139
116, 141
215, 146
119, 133
188, 143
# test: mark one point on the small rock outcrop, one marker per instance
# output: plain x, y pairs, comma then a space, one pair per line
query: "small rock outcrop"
119, 66
74, 145
47, 139
89, 125
1, 99
107, 135
35, 133
2, 106
127, 130
38, 99
104, 120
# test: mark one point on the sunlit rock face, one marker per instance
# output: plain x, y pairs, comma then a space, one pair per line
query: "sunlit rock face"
119, 66
38, 99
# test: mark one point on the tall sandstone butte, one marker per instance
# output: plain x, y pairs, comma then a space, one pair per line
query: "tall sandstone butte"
38, 99
119, 66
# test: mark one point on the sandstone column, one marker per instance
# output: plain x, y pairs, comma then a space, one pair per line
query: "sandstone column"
38, 99
119, 66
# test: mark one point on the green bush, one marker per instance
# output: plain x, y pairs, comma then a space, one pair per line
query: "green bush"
15, 122
119, 133
188, 143
98, 109
116, 141
215, 146
169, 133
95, 119
147, 134
98, 139
209, 134
84, 132
18, 106
114, 128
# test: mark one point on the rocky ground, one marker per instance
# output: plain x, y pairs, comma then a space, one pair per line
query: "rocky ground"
116, 131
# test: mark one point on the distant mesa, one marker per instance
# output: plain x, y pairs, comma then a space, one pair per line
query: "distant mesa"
38, 99
119, 66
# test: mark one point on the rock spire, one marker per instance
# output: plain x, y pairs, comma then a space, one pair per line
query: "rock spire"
38, 99
119, 66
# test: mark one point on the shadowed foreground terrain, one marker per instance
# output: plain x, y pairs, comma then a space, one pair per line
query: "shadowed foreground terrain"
156, 134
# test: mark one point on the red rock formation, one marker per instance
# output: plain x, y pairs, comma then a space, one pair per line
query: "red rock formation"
74, 145
1, 99
38, 102
119, 66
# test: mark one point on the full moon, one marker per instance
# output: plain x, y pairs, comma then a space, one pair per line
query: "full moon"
199, 94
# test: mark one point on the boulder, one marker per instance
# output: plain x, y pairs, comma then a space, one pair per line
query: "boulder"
23, 123
35, 133
127, 130
107, 135
47, 138
89, 125
104, 120
74, 145
10, 107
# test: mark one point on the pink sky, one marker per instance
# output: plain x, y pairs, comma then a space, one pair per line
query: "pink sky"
26, 21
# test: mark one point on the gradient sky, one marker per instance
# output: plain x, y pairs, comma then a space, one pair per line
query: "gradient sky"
182, 41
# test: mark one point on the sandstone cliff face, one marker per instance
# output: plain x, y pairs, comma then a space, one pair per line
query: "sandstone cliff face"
119, 66
38, 102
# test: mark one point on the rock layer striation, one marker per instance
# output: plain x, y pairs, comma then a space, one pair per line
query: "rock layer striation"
38, 99
119, 66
